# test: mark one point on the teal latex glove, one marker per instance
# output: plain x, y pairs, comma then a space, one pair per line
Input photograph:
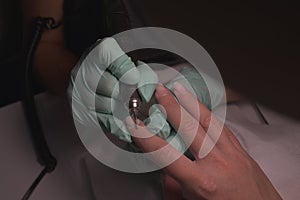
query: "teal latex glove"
193, 81
106, 60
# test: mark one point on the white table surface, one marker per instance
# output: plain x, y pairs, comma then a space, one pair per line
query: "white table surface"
276, 147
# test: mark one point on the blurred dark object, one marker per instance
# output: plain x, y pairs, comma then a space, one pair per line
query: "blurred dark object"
10, 51
104, 18
254, 43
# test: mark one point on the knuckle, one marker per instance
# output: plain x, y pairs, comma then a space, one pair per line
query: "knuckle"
206, 121
204, 186
165, 155
167, 102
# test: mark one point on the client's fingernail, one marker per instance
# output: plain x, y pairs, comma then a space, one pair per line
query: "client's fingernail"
161, 91
179, 88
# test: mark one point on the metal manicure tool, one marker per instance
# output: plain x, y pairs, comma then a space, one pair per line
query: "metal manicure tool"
134, 106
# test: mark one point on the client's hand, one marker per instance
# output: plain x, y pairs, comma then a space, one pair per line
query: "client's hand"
227, 172
193, 81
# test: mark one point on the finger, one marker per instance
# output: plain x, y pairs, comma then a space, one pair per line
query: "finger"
186, 125
206, 118
108, 55
164, 155
192, 105
196, 108
104, 104
108, 85
157, 122
115, 126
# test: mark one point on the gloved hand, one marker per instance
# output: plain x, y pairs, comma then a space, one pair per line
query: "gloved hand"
106, 60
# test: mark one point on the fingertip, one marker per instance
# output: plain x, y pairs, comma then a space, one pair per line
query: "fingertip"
140, 63
109, 49
108, 41
161, 91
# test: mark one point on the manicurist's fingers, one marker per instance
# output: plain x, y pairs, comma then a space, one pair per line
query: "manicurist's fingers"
107, 85
121, 65
108, 55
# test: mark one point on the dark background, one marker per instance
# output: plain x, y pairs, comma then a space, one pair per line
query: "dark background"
255, 44
10, 51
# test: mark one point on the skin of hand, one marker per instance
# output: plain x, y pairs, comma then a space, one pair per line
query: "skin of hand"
227, 172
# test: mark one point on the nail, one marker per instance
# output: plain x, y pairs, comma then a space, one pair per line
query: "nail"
179, 88
161, 91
